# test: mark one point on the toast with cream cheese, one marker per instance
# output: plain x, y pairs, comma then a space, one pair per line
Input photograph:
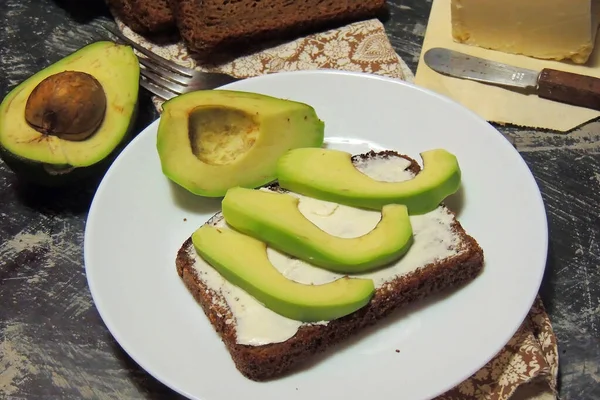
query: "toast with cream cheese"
265, 345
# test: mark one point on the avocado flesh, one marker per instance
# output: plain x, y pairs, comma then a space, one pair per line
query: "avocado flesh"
116, 68
249, 268
330, 175
275, 219
209, 141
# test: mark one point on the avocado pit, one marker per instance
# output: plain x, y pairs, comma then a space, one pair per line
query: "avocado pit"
220, 135
70, 105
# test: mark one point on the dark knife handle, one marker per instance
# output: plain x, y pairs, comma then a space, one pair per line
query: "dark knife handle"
566, 87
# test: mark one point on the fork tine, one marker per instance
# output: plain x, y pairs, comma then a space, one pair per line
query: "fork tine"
157, 90
171, 66
151, 65
164, 83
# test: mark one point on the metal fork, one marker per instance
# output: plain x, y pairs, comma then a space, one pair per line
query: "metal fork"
167, 79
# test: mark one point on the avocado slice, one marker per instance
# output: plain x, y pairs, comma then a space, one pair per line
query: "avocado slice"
71, 116
212, 140
330, 175
275, 219
249, 268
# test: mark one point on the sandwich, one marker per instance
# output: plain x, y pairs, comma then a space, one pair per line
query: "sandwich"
320, 258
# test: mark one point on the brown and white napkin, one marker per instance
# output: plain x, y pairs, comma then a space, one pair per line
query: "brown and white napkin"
362, 47
527, 366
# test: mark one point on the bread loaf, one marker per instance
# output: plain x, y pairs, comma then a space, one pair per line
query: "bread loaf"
224, 25
144, 16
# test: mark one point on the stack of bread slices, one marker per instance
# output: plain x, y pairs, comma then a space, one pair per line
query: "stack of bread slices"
210, 26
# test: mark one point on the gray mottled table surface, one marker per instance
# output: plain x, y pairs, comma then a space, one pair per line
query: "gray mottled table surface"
53, 343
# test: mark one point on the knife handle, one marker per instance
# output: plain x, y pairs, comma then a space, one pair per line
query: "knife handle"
570, 88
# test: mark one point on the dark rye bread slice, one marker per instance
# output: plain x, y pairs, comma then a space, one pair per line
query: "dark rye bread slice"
144, 16
269, 361
211, 26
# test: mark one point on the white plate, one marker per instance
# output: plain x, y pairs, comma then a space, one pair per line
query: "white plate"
138, 220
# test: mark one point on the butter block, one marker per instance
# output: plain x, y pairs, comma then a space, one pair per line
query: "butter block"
545, 29
501, 105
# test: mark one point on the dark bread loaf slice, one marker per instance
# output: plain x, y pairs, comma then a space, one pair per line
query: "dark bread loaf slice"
217, 25
271, 360
123, 9
155, 15
144, 16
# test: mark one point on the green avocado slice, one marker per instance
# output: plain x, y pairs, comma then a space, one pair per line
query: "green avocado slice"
42, 157
330, 175
211, 140
275, 219
249, 268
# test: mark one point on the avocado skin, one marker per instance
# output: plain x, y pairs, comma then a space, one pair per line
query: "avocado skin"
36, 172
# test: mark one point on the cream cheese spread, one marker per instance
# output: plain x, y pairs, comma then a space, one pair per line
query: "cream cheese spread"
433, 239
546, 29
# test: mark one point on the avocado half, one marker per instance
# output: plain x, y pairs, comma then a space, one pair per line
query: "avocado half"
64, 122
212, 140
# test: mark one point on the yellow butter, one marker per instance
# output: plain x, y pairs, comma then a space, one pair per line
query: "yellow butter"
546, 29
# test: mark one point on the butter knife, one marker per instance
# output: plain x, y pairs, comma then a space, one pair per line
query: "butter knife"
551, 84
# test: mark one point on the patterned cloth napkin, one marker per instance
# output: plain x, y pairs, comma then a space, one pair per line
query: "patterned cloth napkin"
527, 366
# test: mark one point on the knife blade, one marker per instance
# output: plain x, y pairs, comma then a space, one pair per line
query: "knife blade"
565, 87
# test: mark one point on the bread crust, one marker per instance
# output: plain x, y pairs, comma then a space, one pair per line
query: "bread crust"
145, 16
269, 361
215, 26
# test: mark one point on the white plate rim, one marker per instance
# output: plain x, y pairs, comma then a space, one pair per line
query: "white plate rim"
233, 86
